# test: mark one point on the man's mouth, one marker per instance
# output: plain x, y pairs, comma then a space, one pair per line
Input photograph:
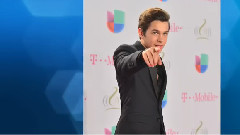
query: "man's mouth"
159, 46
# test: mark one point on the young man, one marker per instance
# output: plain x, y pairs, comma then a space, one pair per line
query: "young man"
141, 76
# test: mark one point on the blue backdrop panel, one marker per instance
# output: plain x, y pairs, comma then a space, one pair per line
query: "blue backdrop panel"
41, 72
230, 66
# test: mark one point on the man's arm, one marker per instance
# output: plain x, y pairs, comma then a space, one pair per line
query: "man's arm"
127, 60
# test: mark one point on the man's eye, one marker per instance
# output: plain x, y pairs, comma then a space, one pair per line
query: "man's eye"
155, 32
165, 34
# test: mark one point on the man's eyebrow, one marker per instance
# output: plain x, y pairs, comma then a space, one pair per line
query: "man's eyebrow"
155, 30
159, 31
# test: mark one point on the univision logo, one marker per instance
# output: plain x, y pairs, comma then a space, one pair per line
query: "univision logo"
164, 101
202, 63
109, 132
163, 0
115, 21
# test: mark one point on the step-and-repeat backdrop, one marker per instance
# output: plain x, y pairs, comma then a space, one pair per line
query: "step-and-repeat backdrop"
191, 104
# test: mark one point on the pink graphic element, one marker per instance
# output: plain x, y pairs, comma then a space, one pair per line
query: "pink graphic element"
110, 16
107, 131
110, 60
110, 21
198, 64
93, 58
198, 60
200, 97
184, 96
175, 28
171, 132
212, 0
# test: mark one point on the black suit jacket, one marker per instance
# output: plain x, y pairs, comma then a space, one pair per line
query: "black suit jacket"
141, 111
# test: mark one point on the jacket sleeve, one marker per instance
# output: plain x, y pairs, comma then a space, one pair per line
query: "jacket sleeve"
128, 60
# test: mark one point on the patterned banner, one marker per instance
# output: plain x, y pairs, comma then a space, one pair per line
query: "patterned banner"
191, 104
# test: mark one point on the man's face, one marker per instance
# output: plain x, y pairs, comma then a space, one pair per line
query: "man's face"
156, 34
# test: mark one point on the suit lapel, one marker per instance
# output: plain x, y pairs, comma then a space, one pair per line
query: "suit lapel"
163, 76
152, 71
153, 74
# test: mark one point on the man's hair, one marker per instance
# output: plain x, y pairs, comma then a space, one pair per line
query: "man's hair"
150, 15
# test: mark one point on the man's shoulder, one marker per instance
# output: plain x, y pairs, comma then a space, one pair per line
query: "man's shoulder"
126, 47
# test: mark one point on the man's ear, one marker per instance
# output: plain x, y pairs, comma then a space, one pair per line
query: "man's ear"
140, 32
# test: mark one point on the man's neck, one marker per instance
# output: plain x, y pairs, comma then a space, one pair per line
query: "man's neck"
142, 43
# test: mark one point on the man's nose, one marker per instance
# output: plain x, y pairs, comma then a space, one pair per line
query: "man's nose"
160, 38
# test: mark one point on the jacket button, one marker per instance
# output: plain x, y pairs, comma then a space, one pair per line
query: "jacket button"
131, 64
